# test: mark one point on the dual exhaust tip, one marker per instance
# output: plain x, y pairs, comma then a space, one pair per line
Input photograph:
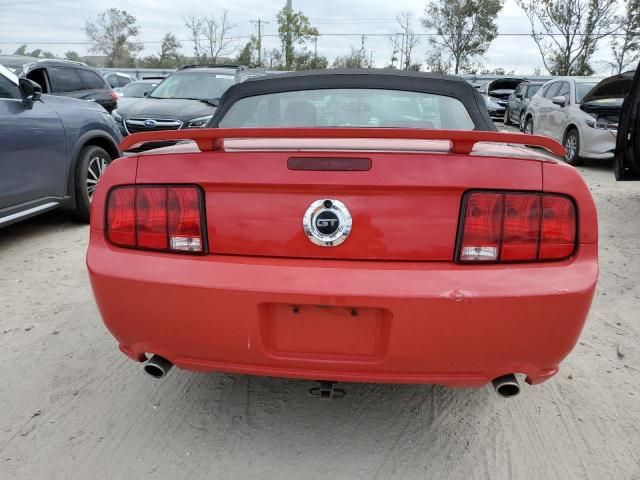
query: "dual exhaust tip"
506, 386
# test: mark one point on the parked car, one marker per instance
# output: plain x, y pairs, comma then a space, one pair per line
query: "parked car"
71, 79
627, 153
117, 80
53, 150
581, 113
185, 99
318, 244
518, 102
136, 90
496, 94
14, 63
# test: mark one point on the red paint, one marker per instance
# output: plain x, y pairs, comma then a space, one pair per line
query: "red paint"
419, 317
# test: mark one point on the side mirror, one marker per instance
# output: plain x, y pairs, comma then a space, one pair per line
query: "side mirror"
30, 92
559, 100
519, 95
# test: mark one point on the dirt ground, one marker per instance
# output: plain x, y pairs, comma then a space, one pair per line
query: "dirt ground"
72, 406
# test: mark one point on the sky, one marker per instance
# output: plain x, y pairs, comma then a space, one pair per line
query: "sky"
58, 26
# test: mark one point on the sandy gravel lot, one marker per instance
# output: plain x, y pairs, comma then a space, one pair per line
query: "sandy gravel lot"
72, 406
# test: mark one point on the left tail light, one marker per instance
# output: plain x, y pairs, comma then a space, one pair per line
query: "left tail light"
162, 218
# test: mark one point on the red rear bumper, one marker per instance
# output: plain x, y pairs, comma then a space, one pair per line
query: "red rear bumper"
344, 321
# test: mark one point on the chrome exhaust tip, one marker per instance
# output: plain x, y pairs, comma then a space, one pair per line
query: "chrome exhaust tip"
506, 386
157, 366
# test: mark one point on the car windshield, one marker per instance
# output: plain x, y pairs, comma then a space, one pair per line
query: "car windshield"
582, 88
349, 108
195, 85
137, 90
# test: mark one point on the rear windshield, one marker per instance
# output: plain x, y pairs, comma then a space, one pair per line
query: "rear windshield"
349, 108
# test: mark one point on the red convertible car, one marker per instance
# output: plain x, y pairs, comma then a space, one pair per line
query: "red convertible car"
346, 226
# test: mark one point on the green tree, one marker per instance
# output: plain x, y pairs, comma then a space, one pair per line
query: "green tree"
436, 63
169, 56
74, 56
21, 50
625, 47
356, 59
306, 60
114, 34
169, 51
464, 29
249, 54
294, 29
567, 32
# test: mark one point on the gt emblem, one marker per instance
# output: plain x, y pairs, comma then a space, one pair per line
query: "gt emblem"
327, 222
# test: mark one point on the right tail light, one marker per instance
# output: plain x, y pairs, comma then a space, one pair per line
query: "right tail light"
516, 227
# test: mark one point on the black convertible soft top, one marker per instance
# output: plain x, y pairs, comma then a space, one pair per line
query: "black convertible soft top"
433, 83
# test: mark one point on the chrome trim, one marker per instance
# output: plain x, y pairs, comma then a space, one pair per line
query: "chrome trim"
29, 211
160, 123
311, 227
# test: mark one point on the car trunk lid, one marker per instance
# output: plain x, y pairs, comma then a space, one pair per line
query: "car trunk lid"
404, 206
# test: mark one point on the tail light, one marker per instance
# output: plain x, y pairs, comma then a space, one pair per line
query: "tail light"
516, 227
163, 218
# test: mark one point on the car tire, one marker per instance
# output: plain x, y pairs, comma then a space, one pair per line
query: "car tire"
528, 126
572, 146
507, 117
521, 122
92, 161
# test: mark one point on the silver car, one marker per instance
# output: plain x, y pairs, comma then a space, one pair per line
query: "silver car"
556, 111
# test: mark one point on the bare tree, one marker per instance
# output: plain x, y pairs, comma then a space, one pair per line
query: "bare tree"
113, 34
625, 46
211, 37
409, 39
463, 29
567, 32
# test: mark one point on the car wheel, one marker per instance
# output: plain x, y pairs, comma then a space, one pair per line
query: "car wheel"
90, 166
507, 117
572, 147
521, 122
528, 126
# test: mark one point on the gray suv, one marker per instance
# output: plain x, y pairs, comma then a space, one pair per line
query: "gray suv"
518, 102
53, 150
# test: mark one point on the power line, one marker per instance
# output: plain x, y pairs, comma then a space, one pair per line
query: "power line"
275, 35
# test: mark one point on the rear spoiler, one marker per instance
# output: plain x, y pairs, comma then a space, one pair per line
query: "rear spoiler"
462, 142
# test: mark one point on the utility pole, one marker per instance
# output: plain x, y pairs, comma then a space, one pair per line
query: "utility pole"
315, 48
289, 4
371, 58
259, 22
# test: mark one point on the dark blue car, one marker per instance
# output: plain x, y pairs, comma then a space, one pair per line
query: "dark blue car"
53, 150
